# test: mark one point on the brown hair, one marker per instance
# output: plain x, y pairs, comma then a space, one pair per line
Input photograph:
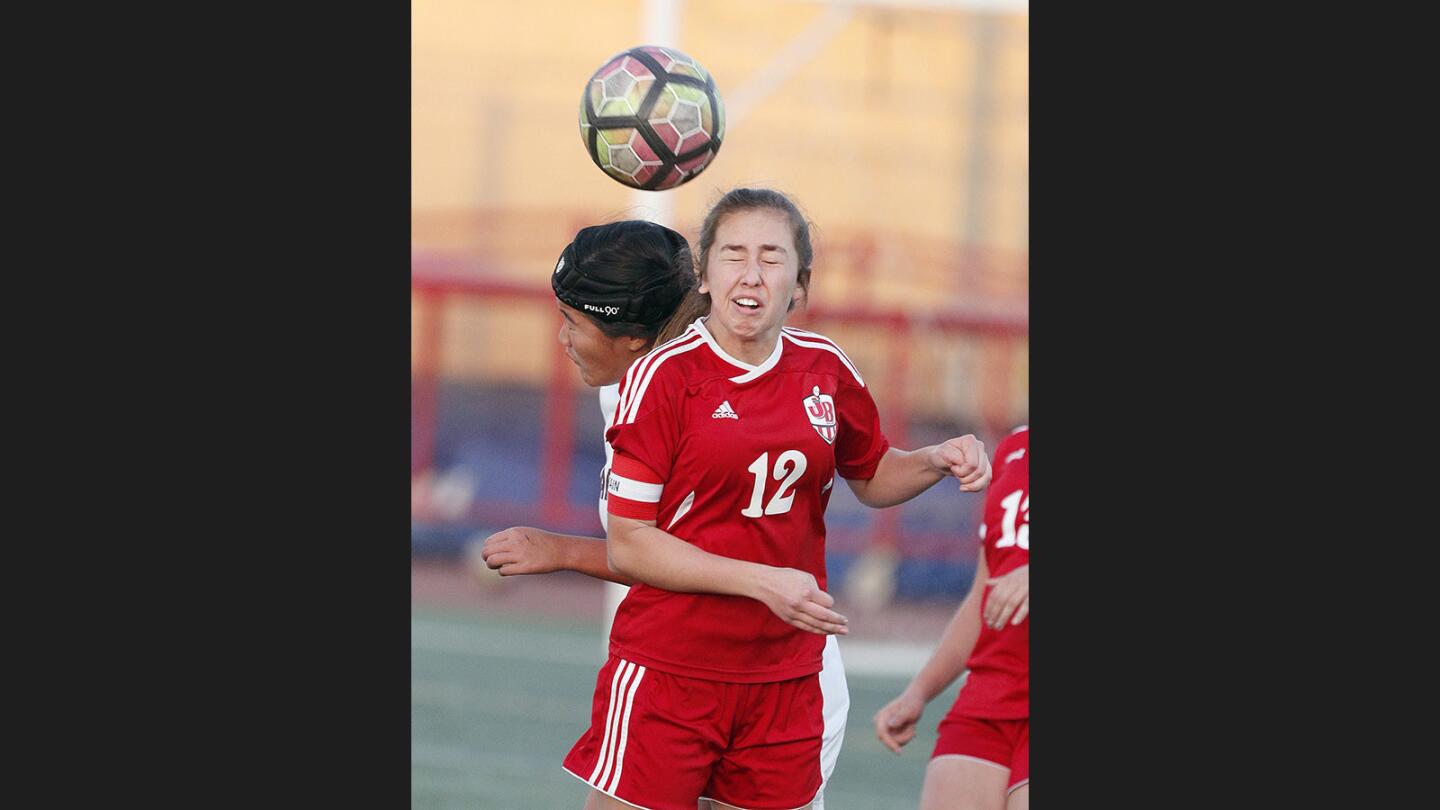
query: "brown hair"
695, 303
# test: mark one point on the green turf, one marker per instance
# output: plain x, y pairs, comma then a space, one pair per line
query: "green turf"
496, 704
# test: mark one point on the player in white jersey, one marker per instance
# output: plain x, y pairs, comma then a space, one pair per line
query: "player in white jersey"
618, 288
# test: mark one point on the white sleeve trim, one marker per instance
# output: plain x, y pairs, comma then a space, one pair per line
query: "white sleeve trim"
629, 407
633, 490
825, 344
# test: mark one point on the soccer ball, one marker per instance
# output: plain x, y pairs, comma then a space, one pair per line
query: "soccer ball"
651, 118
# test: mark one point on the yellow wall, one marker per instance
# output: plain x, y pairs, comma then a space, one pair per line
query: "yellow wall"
874, 132
876, 137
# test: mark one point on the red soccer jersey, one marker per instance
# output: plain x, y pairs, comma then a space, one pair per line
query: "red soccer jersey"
999, 683
747, 456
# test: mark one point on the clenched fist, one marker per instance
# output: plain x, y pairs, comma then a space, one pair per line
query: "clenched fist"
964, 458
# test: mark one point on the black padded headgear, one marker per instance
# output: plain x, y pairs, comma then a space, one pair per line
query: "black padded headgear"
644, 290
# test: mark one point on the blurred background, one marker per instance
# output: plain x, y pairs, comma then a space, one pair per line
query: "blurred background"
901, 129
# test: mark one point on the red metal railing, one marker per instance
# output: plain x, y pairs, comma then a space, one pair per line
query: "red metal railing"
434, 283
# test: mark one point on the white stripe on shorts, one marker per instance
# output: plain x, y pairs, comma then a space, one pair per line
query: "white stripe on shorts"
972, 759
625, 730
609, 719
611, 729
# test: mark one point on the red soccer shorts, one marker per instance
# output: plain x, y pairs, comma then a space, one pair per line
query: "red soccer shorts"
662, 742
1004, 743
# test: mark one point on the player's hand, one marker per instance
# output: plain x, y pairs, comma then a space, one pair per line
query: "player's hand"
895, 722
796, 598
1009, 593
521, 550
964, 458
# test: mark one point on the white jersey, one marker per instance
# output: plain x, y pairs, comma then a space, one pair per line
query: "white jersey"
835, 694
609, 399
614, 591
834, 691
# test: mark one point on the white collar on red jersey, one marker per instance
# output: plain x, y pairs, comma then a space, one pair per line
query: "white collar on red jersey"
751, 372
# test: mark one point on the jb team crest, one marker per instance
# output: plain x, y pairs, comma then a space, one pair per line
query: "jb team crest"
820, 408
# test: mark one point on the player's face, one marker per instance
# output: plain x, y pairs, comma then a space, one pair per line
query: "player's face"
602, 360
750, 274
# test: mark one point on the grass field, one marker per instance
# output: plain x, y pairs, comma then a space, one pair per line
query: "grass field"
496, 702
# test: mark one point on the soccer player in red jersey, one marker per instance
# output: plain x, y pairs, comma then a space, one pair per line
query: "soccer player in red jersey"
727, 442
617, 287
981, 760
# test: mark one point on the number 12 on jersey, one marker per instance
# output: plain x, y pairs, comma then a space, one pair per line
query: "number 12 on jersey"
1009, 536
791, 462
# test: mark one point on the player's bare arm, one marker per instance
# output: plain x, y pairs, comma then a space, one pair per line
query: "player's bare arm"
896, 720
1009, 599
641, 550
527, 550
903, 474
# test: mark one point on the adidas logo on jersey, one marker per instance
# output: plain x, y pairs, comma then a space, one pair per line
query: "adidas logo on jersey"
724, 412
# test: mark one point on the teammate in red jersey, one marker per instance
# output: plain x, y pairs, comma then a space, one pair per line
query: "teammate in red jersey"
727, 442
981, 760
617, 287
